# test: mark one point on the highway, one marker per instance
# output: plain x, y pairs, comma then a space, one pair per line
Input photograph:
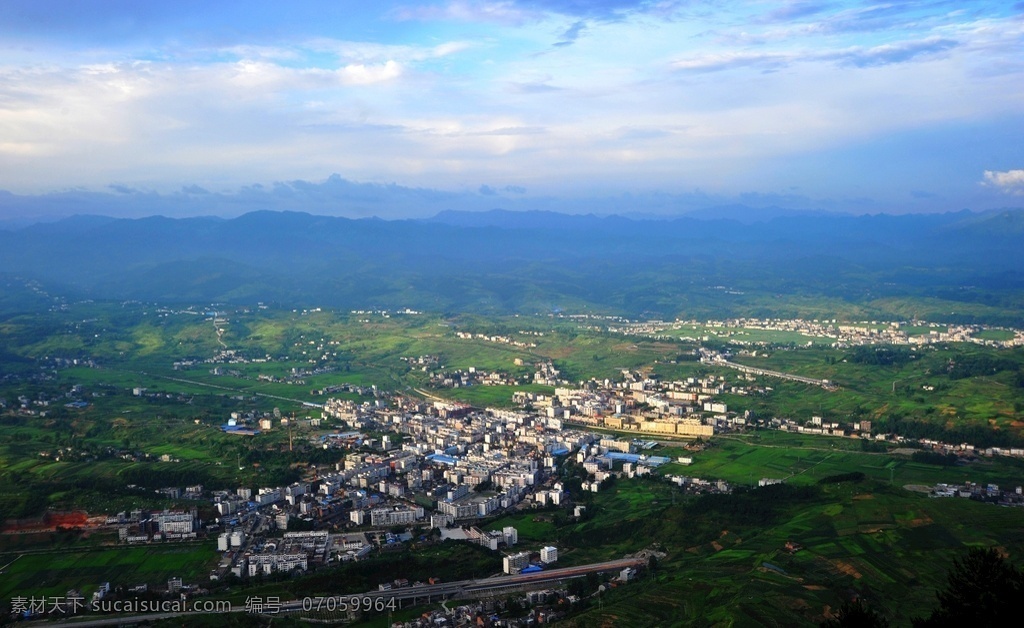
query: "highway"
511, 581
459, 588
470, 588
824, 383
251, 393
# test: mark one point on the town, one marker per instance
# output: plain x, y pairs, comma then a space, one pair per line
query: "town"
378, 470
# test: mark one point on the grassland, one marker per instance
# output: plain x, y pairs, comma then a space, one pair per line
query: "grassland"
491, 396
936, 309
995, 334
923, 389
135, 346
728, 564
725, 560
805, 460
747, 335
54, 573
884, 544
120, 348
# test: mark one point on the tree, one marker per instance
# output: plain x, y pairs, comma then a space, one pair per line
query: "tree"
982, 589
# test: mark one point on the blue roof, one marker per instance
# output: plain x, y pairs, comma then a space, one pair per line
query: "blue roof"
615, 455
532, 569
654, 461
561, 451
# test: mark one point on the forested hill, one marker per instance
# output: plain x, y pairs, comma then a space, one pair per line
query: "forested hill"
530, 261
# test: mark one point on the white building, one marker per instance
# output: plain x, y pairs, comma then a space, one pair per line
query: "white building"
269, 563
175, 522
514, 563
399, 515
511, 535
548, 555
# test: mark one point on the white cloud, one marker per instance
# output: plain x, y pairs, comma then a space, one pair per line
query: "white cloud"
500, 12
726, 61
637, 102
1009, 181
857, 56
359, 74
271, 53
372, 52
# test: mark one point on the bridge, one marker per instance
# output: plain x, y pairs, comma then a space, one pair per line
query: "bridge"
824, 383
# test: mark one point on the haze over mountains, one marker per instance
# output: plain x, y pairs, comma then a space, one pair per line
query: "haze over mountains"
530, 261
338, 196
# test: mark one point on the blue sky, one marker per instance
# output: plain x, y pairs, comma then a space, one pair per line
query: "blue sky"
405, 109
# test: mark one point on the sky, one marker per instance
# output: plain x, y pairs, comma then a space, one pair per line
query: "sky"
404, 109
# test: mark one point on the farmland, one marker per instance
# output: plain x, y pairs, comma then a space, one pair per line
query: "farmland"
924, 388
889, 546
153, 386
801, 459
747, 335
44, 574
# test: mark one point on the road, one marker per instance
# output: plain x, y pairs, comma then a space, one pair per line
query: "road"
824, 383
460, 588
234, 390
433, 397
754, 443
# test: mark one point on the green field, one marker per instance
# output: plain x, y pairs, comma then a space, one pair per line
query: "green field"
923, 389
54, 573
744, 335
803, 459
725, 560
995, 334
886, 545
490, 396
180, 410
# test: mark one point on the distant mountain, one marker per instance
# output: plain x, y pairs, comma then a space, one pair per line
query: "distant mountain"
750, 215
506, 219
523, 261
1002, 223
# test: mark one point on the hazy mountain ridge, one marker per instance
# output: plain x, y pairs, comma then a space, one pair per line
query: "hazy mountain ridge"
512, 260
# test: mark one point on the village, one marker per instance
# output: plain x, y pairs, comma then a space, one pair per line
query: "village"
415, 469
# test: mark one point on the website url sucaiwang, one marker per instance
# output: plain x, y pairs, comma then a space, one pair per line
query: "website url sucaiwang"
160, 606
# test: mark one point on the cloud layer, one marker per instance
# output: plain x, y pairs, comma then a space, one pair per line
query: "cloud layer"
837, 101
1010, 181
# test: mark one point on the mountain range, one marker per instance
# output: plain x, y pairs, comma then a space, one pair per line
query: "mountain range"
502, 261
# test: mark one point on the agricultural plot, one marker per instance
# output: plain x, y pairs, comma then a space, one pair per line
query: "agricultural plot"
887, 545
726, 563
921, 389
531, 527
490, 396
744, 335
995, 334
808, 459
51, 573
